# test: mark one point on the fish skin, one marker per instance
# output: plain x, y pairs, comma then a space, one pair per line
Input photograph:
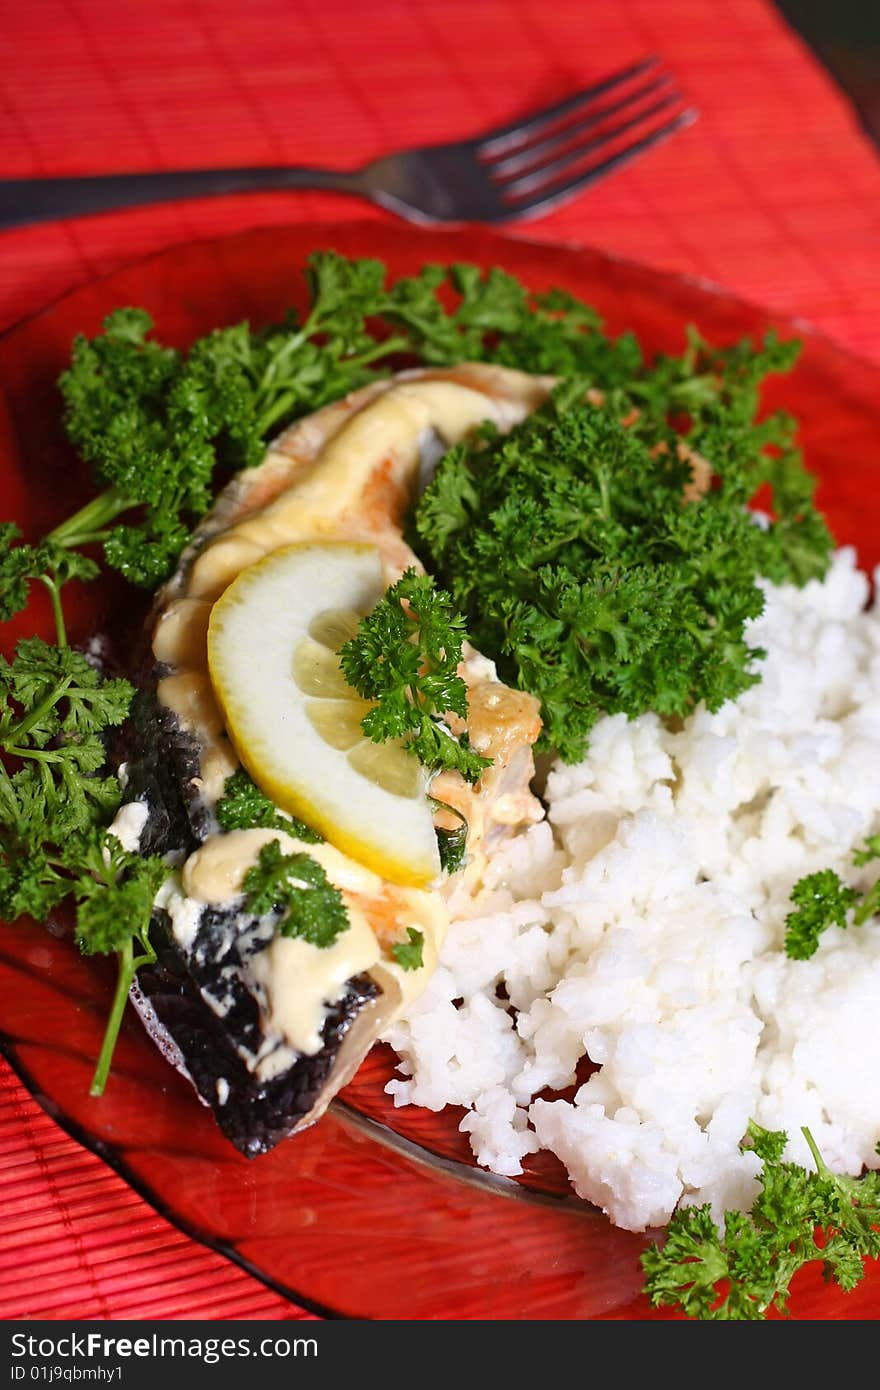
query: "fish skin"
254, 1115
162, 763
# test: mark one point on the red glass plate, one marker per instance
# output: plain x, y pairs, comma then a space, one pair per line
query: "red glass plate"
374, 1212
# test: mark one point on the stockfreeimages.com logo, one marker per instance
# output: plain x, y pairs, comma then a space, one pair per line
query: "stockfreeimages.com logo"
94, 1346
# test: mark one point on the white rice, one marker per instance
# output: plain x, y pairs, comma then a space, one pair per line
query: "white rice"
642, 924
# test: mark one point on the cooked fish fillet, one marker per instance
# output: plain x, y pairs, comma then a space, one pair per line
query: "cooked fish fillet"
268, 1033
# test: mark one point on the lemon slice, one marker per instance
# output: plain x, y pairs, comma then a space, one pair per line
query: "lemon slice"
294, 721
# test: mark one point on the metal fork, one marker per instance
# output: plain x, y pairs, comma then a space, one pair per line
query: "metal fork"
515, 171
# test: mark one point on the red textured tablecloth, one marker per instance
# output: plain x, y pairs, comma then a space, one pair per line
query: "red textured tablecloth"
774, 193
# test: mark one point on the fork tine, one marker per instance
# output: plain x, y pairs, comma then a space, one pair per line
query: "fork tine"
533, 154
532, 123
545, 174
553, 194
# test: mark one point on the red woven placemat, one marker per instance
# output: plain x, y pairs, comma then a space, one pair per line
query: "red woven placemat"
774, 193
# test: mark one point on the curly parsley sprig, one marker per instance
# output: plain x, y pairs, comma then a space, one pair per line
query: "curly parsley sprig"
56, 796
295, 888
580, 563
409, 954
161, 427
245, 806
49, 563
798, 1218
822, 900
405, 657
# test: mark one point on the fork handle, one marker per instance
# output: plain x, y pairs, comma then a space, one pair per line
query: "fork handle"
37, 200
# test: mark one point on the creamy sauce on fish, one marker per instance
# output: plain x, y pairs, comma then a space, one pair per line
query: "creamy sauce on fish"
299, 979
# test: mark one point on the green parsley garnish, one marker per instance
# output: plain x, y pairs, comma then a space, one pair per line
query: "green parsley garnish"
822, 899
870, 850
296, 888
54, 712
161, 427
47, 562
409, 953
405, 657
798, 1218
595, 585
56, 798
114, 891
245, 806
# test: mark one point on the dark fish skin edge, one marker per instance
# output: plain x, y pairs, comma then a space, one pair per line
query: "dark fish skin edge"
255, 1115
163, 759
